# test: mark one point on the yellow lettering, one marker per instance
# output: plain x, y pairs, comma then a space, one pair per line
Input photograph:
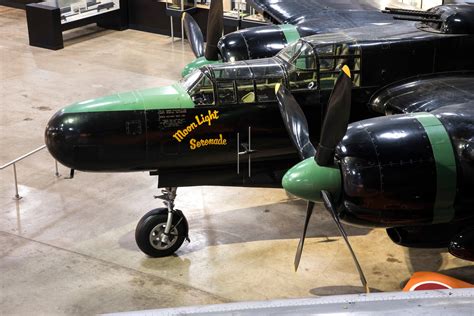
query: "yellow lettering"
177, 136
193, 143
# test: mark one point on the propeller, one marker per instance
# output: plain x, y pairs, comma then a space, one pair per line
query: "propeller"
215, 27
297, 126
333, 129
295, 122
329, 204
299, 250
194, 35
337, 118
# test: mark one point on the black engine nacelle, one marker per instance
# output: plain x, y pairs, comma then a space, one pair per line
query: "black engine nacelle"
250, 44
462, 244
258, 42
389, 172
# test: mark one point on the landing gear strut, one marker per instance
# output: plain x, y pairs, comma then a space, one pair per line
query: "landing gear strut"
161, 231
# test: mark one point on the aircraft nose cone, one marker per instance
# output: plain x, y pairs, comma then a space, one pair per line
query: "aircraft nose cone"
60, 136
306, 180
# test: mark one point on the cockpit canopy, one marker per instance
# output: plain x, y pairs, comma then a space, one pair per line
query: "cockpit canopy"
316, 64
302, 66
234, 83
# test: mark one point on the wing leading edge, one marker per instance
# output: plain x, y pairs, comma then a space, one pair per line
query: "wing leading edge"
424, 93
298, 11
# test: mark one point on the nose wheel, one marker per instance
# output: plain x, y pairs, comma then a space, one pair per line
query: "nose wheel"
151, 236
162, 231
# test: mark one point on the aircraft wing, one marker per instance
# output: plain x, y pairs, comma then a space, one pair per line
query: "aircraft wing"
322, 14
451, 302
425, 93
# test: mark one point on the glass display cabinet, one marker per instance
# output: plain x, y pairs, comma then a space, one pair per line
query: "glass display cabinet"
47, 20
180, 5
175, 9
234, 11
253, 19
74, 10
240, 14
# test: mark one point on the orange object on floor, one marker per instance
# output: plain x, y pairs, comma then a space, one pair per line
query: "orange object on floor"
421, 281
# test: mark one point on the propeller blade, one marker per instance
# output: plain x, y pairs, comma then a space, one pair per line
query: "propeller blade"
336, 119
215, 27
299, 251
194, 35
295, 122
329, 205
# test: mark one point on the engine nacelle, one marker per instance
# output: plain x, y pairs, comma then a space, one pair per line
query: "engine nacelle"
408, 170
462, 245
259, 42
389, 172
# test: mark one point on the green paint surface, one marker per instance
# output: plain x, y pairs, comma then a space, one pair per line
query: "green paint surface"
446, 174
290, 31
168, 97
195, 64
306, 180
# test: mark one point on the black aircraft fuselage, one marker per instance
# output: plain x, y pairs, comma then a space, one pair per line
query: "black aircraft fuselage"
221, 125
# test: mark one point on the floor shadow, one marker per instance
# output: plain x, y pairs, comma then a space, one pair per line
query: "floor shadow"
81, 34
269, 222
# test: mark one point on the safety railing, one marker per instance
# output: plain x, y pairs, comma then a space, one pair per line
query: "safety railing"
13, 163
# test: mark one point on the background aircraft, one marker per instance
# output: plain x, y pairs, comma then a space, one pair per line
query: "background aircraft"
293, 19
222, 125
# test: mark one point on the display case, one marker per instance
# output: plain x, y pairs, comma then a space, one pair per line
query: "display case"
175, 9
74, 10
240, 14
48, 19
253, 19
180, 5
234, 11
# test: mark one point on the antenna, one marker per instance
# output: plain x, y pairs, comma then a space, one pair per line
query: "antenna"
414, 15
419, 19
411, 12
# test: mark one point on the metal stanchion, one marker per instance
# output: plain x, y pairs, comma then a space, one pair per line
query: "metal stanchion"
56, 167
17, 196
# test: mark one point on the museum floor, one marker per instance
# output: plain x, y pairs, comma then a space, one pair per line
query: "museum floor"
68, 245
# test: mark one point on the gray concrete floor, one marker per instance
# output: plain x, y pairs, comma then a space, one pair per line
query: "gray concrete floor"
68, 245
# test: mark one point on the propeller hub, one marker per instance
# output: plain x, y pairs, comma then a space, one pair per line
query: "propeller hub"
307, 179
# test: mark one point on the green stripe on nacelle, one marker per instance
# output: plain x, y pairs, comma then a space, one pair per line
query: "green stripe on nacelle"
291, 32
446, 174
168, 97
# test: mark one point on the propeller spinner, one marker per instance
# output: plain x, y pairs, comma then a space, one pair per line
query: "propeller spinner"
318, 178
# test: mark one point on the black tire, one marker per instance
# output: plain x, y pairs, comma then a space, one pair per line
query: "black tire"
151, 224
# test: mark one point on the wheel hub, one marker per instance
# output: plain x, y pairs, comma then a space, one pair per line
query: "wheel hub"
159, 240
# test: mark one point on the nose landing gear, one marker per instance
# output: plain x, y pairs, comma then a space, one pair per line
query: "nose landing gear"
161, 231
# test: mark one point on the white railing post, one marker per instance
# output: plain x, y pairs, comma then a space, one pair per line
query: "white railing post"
56, 167
17, 196
13, 162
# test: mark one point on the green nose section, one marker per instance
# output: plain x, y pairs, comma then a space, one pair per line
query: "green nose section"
306, 180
